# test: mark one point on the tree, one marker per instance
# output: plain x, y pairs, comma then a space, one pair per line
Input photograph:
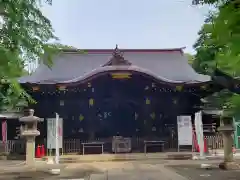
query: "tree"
190, 58
24, 37
218, 45
225, 32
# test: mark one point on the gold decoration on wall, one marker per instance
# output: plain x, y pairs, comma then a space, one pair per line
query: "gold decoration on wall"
61, 87
203, 87
153, 115
81, 117
35, 88
148, 101
179, 88
91, 102
121, 75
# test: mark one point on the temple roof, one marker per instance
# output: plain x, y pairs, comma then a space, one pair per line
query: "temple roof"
169, 65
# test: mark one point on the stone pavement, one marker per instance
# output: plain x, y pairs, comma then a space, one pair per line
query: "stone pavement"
135, 170
146, 170
194, 172
41, 171
128, 170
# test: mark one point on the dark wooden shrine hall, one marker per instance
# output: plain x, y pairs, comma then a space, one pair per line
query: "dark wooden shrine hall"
131, 93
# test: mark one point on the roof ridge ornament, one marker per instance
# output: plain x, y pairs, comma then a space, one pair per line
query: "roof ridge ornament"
117, 59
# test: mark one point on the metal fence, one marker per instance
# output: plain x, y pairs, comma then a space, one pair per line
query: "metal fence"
14, 146
74, 146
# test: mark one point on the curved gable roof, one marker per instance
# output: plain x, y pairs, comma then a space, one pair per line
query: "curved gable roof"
168, 65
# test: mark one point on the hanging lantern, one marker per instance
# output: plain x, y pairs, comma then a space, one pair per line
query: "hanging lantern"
91, 102
179, 88
35, 88
81, 117
61, 87
148, 101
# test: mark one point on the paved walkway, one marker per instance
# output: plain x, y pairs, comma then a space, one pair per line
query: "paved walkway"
143, 170
133, 171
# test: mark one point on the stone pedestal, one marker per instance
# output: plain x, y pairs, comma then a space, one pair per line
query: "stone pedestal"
30, 151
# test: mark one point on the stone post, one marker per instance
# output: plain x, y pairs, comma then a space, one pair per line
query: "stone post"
226, 129
29, 131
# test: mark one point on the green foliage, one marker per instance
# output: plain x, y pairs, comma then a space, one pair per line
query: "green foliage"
218, 45
24, 37
190, 58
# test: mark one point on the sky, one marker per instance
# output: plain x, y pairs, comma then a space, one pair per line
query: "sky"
133, 24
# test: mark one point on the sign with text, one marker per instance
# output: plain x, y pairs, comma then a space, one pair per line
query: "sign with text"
184, 130
51, 133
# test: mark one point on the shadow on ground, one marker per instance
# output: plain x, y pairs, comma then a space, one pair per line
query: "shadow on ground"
194, 172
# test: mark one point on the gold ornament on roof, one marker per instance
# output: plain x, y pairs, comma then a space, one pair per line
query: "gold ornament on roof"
117, 58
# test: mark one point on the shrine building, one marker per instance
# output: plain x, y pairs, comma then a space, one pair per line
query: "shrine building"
101, 93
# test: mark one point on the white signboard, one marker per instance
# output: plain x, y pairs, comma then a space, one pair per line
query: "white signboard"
184, 130
51, 130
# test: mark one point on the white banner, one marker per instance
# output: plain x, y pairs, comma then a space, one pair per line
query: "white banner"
199, 132
184, 130
51, 130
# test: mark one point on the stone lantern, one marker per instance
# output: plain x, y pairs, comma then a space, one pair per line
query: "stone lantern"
29, 132
226, 129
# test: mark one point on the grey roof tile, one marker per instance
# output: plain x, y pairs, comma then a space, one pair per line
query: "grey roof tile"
166, 65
